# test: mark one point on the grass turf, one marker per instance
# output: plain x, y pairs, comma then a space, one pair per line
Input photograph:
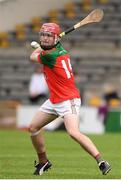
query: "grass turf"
69, 160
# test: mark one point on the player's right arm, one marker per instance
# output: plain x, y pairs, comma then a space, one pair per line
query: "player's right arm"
35, 56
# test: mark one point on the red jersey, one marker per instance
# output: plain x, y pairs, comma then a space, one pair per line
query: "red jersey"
58, 74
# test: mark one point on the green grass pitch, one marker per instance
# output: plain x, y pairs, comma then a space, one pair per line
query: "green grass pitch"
69, 160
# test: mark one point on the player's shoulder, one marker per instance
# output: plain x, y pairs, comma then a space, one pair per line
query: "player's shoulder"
61, 50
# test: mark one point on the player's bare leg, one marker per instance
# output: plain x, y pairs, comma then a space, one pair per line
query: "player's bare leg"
41, 119
71, 123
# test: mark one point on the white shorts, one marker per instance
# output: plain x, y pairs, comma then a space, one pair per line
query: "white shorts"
60, 109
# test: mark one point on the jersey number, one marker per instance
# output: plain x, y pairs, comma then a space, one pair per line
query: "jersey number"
68, 73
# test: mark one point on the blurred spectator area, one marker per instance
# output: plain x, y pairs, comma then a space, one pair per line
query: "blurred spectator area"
108, 31
94, 69
8, 113
95, 49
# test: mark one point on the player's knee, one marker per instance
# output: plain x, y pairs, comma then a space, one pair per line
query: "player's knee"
72, 133
32, 129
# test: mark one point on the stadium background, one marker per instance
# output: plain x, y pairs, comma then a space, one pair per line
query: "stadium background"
96, 56
95, 50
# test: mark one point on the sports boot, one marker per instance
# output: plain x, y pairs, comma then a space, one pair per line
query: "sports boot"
40, 168
105, 167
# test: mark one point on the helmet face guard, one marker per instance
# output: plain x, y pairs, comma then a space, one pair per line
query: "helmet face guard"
49, 35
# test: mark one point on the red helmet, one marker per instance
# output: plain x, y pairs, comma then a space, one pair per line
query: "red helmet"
51, 27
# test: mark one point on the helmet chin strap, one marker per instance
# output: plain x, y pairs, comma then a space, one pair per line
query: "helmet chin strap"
47, 47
